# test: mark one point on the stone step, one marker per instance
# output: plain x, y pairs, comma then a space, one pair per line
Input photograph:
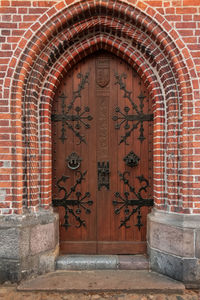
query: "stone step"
102, 262
103, 281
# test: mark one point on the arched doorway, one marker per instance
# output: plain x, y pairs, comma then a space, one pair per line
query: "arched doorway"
102, 157
146, 40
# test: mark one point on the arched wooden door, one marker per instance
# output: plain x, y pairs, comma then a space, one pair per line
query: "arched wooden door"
102, 158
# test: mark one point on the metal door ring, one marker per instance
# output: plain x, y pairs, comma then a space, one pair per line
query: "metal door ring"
73, 161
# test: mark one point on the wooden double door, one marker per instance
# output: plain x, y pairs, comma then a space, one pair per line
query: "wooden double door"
102, 158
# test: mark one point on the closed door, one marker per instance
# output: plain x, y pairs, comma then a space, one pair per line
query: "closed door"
102, 158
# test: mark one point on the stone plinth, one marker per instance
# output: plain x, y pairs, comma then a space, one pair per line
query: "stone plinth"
28, 245
174, 246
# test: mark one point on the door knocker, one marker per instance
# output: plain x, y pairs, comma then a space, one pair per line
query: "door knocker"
73, 161
131, 159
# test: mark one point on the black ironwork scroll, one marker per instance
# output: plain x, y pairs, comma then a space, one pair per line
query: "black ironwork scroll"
81, 202
80, 115
124, 117
131, 205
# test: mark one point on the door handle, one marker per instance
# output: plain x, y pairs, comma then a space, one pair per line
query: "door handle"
103, 175
73, 161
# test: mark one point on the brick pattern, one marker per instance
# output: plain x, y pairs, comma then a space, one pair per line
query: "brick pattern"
42, 40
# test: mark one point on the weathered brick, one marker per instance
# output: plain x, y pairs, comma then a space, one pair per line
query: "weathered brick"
21, 3
8, 25
194, 3
37, 11
186, 25
186, 10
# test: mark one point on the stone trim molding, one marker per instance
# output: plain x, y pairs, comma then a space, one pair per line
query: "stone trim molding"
175, 219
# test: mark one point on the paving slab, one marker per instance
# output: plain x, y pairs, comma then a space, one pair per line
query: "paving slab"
128, 281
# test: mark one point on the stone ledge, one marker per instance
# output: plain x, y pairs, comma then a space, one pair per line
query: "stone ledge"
28, 219
102, 262
86, 262
175, 219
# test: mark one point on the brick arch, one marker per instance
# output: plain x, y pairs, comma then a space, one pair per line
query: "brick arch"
136, 60
131, 35
123, 12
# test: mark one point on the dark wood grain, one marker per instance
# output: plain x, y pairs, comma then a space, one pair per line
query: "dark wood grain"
102, 233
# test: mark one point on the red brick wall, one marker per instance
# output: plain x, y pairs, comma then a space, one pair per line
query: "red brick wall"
41, 40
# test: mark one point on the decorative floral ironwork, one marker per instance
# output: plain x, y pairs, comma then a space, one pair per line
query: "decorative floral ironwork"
79, 201
131, 206
80, 116
125, 118
131, 159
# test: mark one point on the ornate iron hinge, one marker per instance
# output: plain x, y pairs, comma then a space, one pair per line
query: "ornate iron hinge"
77, 201
125, 118
134, 205
80, 116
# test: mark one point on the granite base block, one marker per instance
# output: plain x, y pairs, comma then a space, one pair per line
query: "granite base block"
174, 246
9, 270
182, 269
26, 241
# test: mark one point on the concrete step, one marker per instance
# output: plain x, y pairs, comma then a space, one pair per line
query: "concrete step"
102, 262
103, 281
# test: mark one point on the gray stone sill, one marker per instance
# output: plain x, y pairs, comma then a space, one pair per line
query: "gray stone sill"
175, 219
102, 262
41, 216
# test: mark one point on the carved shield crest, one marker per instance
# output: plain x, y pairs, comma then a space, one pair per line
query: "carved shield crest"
102, 73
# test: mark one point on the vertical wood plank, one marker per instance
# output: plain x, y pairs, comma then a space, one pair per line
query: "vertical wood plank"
102, 233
